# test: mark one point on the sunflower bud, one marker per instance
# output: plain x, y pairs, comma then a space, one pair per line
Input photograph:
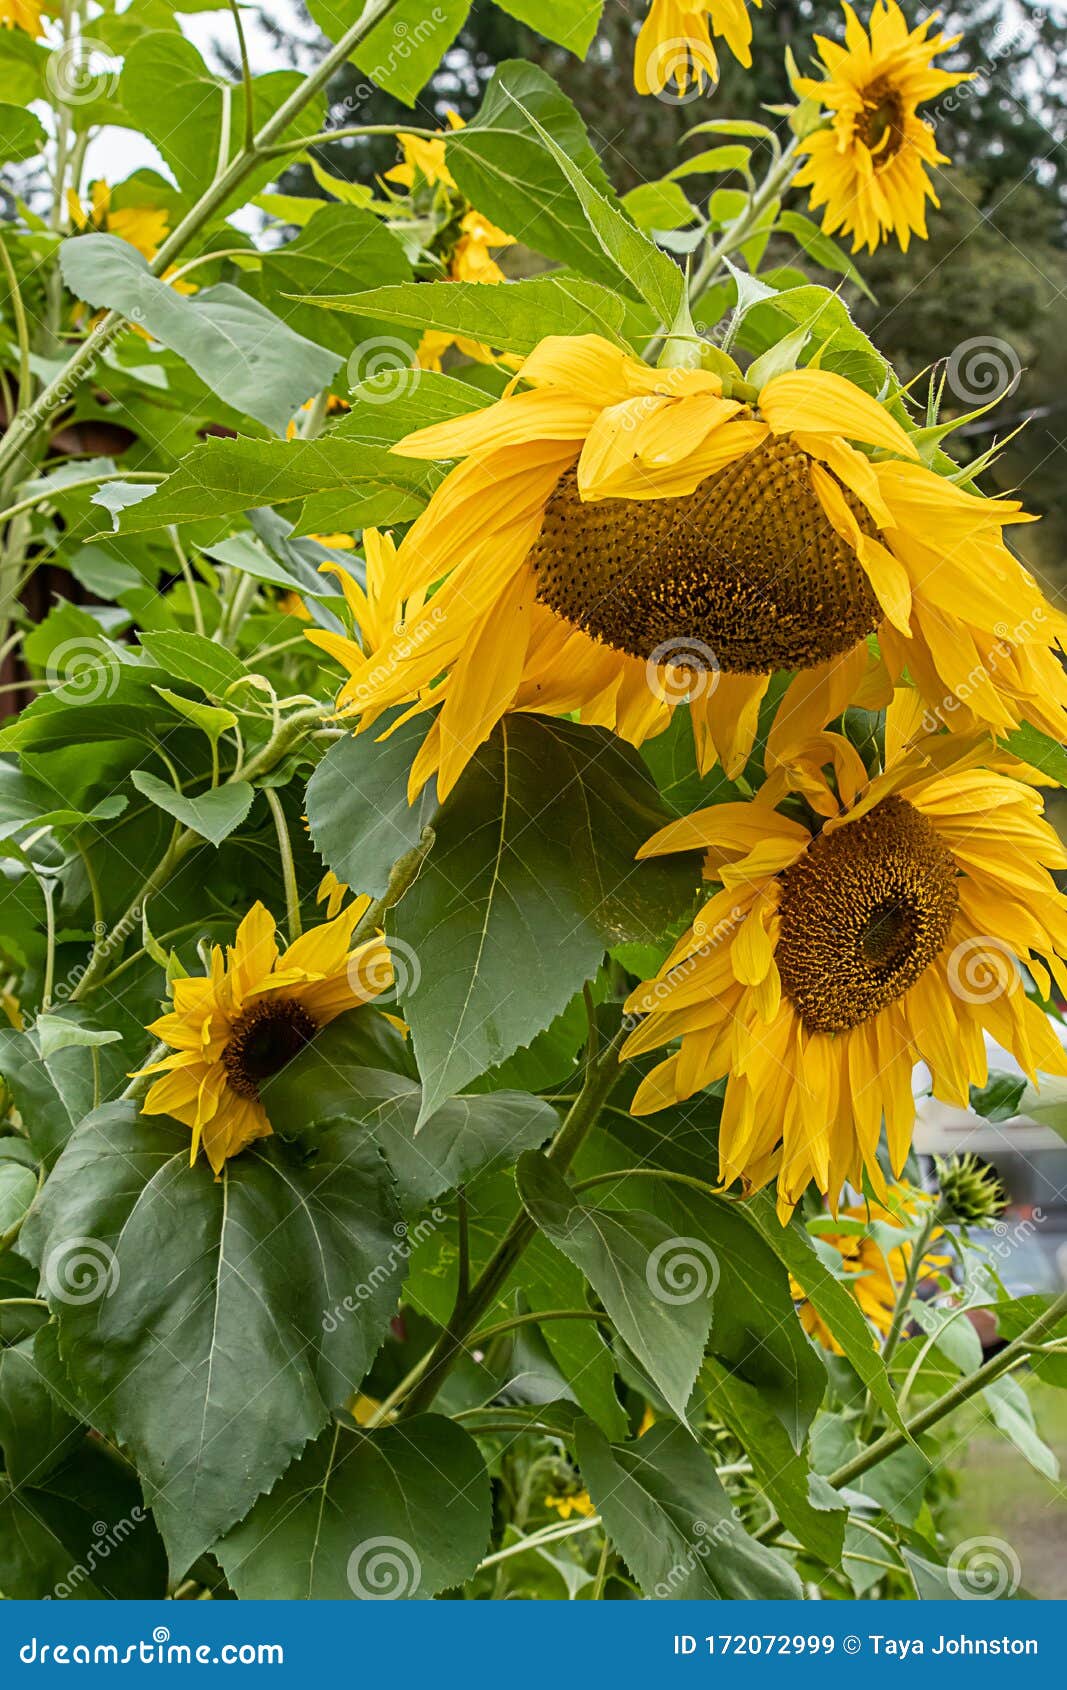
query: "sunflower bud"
971, 1192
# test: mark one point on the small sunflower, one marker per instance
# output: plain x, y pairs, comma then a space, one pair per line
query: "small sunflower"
235, 1028
675, 50
614, 528
424, 157
873, 1269
842, 949
870, 166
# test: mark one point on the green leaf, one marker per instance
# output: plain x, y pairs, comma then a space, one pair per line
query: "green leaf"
18, 1188
821, 248
659, 205
336, 1077
36, 1434
209, 718
846, 350
830, 1299
626, 1256
59, 1032
405, 49
513, 317
242, 351
676, 1528
204, 1349
50, 1541
573, 23
197, 120
544, 1278
531, 878
1000, 1098
805, 1503
402, 1513
191, 657
222, 477
525, 160
214, 814
357, 805
1037, 748
21, 135
342, 250
712, 162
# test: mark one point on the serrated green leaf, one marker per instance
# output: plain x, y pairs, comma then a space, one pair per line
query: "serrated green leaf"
400, 1513
513, 316
205, 1350
667, 1513
213, 814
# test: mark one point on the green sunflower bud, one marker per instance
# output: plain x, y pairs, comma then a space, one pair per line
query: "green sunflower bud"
971, 1192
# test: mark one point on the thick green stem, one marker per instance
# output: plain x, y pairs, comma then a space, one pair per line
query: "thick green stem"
600, 1077
888, 1444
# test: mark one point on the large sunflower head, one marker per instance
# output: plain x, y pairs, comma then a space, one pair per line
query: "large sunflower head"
675, 53
874, 1242
860, 925
870, 166
617, 538
235, 1028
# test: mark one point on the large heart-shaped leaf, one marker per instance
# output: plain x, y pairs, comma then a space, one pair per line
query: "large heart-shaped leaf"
192, 1309
367, 1516
532, 877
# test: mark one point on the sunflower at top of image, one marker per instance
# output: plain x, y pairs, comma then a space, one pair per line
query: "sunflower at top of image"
675, 50
236, 1027
858, 929
618, 538
872, 1266
870, 167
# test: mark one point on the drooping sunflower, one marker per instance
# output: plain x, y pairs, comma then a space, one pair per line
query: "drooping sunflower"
870, 167
873, 1267
236, 1027
675, 50
613, 527
877, 923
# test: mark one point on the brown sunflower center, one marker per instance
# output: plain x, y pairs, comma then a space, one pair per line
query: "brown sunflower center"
745, 574
263, 1040
881, 124
864, 911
